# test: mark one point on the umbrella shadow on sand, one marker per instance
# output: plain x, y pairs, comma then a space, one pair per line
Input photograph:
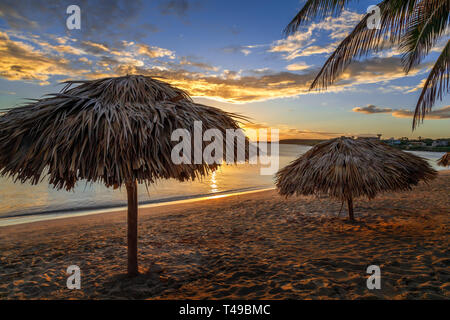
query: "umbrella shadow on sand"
148, 283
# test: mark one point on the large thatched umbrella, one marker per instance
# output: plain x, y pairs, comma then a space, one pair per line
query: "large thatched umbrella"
345, 168
444, 161
114, 130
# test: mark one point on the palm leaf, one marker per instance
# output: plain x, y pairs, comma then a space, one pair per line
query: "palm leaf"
415, 24
313, 9
362, 40
435, 86
428, 23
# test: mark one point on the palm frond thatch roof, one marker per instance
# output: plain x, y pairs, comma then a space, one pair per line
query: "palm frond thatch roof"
110, 130
444, 161
345, 168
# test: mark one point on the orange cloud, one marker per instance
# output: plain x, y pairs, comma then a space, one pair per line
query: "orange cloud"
297, 66
154, 52
20, 61
369, 109
443, 113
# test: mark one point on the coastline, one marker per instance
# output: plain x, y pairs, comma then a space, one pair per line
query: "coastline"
62, 214
250, 246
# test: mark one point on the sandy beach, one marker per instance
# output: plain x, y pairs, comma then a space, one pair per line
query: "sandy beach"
252, 246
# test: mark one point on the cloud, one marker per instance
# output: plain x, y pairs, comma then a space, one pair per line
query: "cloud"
369, 109
95, 48
154, 52
175, 7
28, 57
246, 50
85, 60
60, 49
32, 58
292, 45
13, 17
260, 71
20, 61
399, 89
377, 70
391, 48
100, 19
297, 66
150, 27
300, 44
189, 61
443, 113
312, 50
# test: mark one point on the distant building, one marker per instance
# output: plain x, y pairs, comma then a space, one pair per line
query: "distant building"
393, 142
439, 143
417, 144
367, 137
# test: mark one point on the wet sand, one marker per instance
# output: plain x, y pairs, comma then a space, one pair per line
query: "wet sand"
252, 246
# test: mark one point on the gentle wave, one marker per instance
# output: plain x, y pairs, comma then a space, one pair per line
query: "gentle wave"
27, 218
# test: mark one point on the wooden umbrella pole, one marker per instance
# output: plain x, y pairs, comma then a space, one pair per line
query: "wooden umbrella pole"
350, 209
132, 228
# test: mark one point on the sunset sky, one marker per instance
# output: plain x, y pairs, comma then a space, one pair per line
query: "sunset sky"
230, 54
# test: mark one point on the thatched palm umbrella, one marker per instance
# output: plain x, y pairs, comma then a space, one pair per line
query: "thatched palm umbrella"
444, 161
114, 130
345, 168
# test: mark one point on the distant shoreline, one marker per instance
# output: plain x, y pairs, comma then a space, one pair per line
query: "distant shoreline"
312, 142
428, 149
304, 142
79, 212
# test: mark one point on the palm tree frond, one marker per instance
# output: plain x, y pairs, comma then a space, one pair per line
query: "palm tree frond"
428, 23
362, 40
435, 86
313, 9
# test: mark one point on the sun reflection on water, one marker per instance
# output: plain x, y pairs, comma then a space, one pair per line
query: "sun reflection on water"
213, 183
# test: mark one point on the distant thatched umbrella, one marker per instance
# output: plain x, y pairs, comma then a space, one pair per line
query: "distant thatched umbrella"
345, 168
444, 161
114, 130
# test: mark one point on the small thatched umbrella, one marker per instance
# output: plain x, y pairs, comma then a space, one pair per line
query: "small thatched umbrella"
114, 130
444, 161
345, 168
